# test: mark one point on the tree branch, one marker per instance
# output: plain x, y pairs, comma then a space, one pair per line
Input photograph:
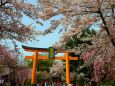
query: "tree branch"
106, 28
2, 4
113, 12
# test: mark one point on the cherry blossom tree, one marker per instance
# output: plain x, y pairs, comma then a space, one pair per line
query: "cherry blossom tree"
100, 56
11, 27
57, 69
11, 13
78, 15
9, 63
8, 57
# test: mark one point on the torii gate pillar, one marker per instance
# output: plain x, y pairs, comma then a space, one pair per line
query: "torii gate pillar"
34, 66
67, 68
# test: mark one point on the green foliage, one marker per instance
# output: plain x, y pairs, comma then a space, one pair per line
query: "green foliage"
1, 68
38, 77
74, 81
33, 85
28, 83
75, 64
44, 65
29, 62
81, 81
75, 41
88, 33
107, 82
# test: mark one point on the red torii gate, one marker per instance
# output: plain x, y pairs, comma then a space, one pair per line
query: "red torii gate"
36, 58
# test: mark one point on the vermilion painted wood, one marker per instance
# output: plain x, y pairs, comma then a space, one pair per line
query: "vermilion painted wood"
36, 58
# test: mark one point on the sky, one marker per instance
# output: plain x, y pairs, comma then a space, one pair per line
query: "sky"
44, 41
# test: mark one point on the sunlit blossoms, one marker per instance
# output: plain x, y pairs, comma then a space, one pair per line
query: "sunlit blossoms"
100, 55
80, 14
57, 69
8, 57
11, 13
98, 67
75, 16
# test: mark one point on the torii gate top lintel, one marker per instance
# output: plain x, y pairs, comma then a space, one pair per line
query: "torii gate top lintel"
32, 49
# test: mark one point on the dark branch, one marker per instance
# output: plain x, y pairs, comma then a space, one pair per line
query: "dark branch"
106, 28
113, 12
2, 4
